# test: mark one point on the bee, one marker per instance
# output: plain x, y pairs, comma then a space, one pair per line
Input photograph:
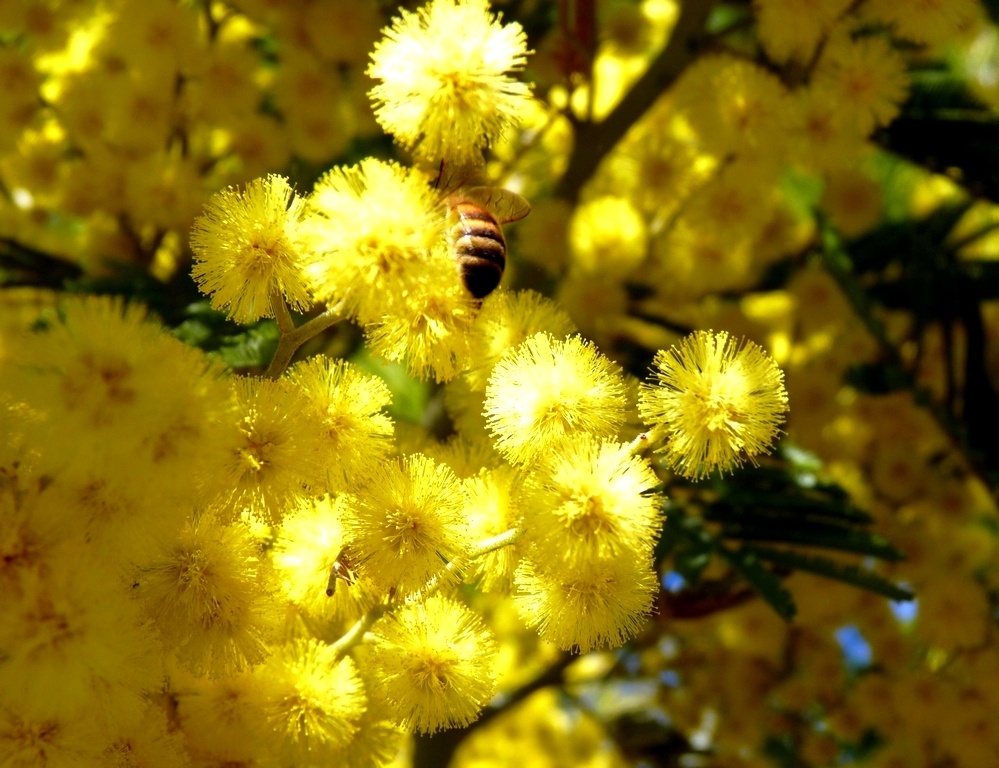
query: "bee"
342, 570
474, 234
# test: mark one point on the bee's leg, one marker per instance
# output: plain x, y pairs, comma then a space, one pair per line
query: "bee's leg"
440, 174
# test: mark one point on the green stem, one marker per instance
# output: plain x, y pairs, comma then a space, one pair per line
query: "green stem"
355, 634
647, 440
498, 541
291, 337
482, 548
281, 314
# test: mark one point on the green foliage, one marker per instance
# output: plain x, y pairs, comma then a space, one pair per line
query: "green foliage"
846, 225
239, 347
747, 564
785, 504
848, 574
946, 129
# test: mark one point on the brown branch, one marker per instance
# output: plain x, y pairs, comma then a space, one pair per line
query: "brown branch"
436, 751
594, 140
291, 337
699, 602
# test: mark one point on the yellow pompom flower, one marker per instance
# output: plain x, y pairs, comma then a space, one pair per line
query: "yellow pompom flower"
718, 401
27, 741
117, 400
158, 36
408, 522
224, 88
866, 76
309, 542
373, 225
124, 523
822, 136
309, 96
853, 200
594, 500
427, 324
378, 739
207, 597
597, 605
347, 405
738, 201
953, 612
341, 32
926, 21
247, 246
138, 111
608, 237
313, 700
508, 318
545, 391
20, 81
279, 450
595, 304
467, 455
733, 105
494, 506
793, 28
164, 190
223, 718
542, 732
655, 165
71, 628
435, 661
153, 740
37, 532
445, 87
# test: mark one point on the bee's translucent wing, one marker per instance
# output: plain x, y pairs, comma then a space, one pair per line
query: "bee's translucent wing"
453, 176
450, 177
505, 205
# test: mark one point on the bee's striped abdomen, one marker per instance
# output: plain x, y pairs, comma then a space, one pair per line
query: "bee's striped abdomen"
479, 248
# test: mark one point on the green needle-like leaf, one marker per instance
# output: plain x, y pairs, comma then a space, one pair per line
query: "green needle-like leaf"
746, 504
763, 581
848, 574
816, 535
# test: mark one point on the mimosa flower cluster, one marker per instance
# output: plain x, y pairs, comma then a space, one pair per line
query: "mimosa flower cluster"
202, 566
269, 534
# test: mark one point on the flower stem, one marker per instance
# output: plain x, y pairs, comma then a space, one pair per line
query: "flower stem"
281, 314
647, 440
291, 337
355, 634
